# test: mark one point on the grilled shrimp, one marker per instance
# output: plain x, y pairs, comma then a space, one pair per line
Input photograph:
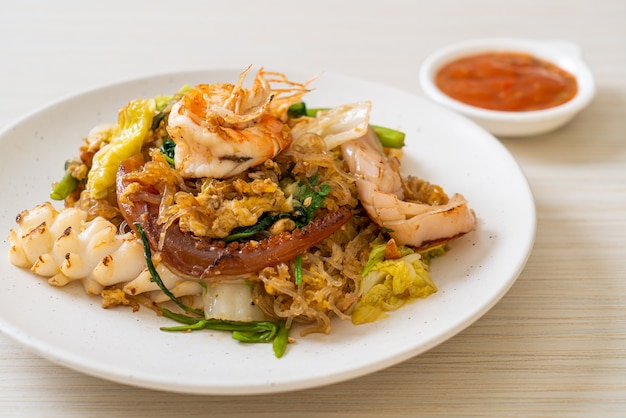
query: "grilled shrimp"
381, 191
221, 130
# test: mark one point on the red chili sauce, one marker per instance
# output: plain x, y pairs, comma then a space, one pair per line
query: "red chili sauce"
507, 81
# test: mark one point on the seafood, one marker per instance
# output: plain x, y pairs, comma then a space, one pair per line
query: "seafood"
200, 257
381, 192
221, 130
63, 246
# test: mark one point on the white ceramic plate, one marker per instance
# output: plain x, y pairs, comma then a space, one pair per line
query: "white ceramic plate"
71, 329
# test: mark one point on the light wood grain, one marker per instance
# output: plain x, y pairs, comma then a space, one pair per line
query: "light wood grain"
554, 346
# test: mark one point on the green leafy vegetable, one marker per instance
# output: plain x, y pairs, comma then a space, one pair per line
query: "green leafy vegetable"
389, 284
158, 118
281, 340
298, 270
63, 188
390, 138
306, 202
245, 332
377, 254
134, 124
297, 110
164, 105
162, 101
154, 275
408, 274
168, 149
181, 318
433, 252
265, 221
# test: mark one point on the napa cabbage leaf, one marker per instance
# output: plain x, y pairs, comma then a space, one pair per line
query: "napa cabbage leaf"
389, 284
125, 140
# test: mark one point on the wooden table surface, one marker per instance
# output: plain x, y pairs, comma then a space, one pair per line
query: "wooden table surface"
554, 346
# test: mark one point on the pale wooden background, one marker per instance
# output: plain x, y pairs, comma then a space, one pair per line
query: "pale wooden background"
556, 343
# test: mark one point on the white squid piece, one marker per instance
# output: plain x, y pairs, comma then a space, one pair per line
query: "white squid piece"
64, 247
379, 185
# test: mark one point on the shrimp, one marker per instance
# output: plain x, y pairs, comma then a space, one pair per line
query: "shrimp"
381, 192
221, 130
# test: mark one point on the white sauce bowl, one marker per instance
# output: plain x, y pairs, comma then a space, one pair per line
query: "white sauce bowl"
564, 54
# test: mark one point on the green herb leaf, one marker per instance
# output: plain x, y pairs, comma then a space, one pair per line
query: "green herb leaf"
154, 275
297, 110
168, 148
309, 200
265, 221
181, 318
247, 332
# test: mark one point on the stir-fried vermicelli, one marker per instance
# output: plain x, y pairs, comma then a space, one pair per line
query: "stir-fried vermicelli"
235, 208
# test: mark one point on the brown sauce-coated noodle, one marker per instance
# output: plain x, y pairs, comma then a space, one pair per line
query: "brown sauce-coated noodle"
201, 257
